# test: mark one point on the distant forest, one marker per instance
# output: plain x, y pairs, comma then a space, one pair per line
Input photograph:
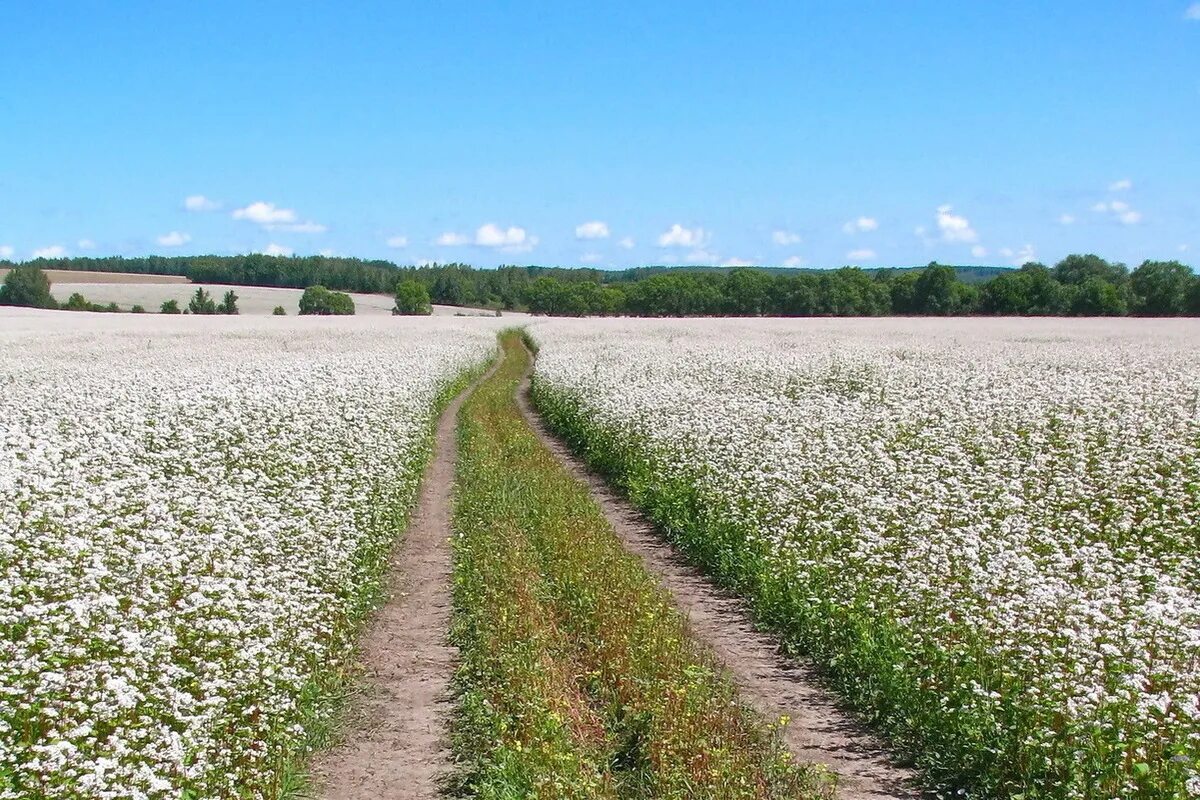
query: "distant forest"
1081, 285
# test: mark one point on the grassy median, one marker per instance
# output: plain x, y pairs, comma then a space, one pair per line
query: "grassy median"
578, 677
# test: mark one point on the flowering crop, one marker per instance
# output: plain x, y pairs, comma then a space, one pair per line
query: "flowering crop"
987, 532
194, 515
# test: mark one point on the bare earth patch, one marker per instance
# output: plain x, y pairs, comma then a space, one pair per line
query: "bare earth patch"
396, 747
775, 685
80, 277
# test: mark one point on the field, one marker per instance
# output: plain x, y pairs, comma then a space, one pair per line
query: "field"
194, 514
985, 532
980, 535
252, 300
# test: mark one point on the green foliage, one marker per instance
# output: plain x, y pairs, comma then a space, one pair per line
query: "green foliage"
202, 302
279, 311
412, 299
27, 286
77, 302
317, 300
137, 308
1162, 288
578, 678
170, 307
228, 303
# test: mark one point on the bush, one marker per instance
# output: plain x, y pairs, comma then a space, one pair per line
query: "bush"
137, 309
320, 301
77, 302
112, 308
170, 307
28, 287
279, 311
228, 303
202, 303
412, 299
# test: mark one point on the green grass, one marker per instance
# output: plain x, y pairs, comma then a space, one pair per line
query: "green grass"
578, 677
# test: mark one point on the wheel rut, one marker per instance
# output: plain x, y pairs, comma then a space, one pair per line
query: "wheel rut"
396, 744
819, 731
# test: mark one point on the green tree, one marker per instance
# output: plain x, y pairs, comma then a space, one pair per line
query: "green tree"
317, 300
77, 302
228, 303
202, 302
748, 292
1075, 270
27, 286
1099, 298
412, 299
1160, 288
170, 307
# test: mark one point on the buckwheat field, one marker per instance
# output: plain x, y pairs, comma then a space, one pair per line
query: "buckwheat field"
987, 533
193, 518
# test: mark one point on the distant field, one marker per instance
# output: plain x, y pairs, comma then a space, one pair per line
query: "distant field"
92, 278
252, 300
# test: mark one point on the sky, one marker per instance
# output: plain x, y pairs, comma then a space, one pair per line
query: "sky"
610, 135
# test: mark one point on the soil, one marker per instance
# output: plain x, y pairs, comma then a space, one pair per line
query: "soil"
396, 744
820, 731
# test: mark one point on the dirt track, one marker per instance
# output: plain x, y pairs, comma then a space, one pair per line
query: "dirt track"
771, 683
396, 747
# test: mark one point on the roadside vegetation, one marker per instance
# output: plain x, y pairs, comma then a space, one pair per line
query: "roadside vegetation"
578, 677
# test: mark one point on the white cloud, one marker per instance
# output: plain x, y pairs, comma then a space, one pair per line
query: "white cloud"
864, 254
451, 239
1019, 257
6, 251
1066, 219
954, 227
327, 252
679, 236
1183, 248
785, 237
591, 230
861, 225
794, 261
1193, 12
701, 256
626, 243
397, 241
198, 202
277, 250
174, 239
264, 213
1120, 210
86, 244
738, 262
53, 251
590, 258
979, 251
273, 218
512, 239
1122, 185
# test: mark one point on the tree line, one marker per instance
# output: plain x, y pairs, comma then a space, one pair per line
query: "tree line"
1084, 285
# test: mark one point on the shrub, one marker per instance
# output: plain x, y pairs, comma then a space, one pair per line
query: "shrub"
279, 311
202, 302
228, 303
77, 302
137, 309
27, 286
170, 307
320, 301
412, 299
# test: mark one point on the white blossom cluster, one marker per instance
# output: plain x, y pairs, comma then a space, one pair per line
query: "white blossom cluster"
1007, 512
193, 516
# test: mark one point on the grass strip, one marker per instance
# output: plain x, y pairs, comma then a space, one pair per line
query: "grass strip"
578, 677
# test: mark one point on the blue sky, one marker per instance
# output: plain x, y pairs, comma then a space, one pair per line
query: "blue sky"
612, 135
